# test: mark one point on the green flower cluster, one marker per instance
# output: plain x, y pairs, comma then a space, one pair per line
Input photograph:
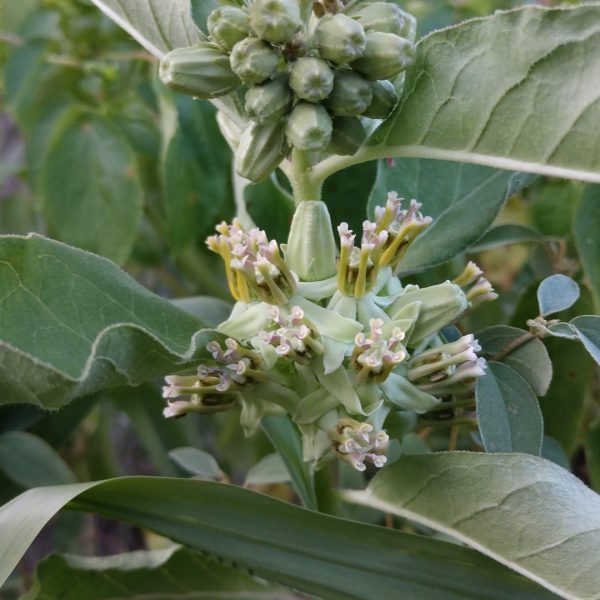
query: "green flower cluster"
330, 336
308, 78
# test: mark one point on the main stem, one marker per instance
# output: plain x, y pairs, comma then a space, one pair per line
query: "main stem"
301, 177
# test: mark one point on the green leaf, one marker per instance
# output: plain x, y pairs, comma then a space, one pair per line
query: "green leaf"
175, 573
505, 235
158, 25
31, 462
92, 196
498, 91
586, 228
270, 469
592, 455
554, 452
196, 176
509, 415
556, 293
523, 511
347, 194
200, 11
312, 552
553, 205
197, 462
143, 406
285, 437
271, 207
212, 311
72, 323
588, 330
530, 359
449, 192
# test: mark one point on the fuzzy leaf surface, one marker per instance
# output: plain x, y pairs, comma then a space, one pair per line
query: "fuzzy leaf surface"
517, 90
524, 511
72, 322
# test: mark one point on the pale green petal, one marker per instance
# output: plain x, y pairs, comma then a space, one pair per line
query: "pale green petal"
333, 354
339, 385
314, 405
248, 323
402, 393
328, 323
317, 290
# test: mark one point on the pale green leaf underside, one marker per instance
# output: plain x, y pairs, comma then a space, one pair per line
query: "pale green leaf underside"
517, 90
521, 510
333, 558
158, 25
174, 573
72, 322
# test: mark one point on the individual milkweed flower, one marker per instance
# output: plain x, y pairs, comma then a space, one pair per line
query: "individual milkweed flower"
441, 369
253, 264
377, 353
358, 443
358, 267
481, 291
402, 225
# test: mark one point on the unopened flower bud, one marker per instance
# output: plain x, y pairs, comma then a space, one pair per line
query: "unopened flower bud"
348, 135
253, 60
482, 291
470, 274
261, 150
351, 94
381, 16
275, 21
311, 78
310, 250
385, 56
440, 305
228, 25
384, 100
309, 127
202, 71
340, 39
268, 101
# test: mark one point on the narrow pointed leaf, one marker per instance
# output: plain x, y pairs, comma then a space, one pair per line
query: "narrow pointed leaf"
523, 511
315, 553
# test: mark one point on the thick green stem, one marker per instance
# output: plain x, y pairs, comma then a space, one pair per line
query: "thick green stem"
303, 183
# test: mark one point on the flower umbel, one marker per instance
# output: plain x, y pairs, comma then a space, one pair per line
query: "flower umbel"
330, 349
253, 264
356, 443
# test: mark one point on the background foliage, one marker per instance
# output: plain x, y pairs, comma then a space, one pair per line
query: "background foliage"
96, 154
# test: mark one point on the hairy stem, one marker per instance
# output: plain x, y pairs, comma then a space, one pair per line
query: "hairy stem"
516, 343
304, 185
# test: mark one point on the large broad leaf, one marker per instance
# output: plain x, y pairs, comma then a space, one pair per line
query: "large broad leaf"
92, 196
587, 226
520, 66
509, 415
524, 511
158, 25
523, 353
72, 322
463, 199
517, 90
173, 573
312, 552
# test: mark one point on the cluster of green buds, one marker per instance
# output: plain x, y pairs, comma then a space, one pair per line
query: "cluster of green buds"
330, 336
310, 81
